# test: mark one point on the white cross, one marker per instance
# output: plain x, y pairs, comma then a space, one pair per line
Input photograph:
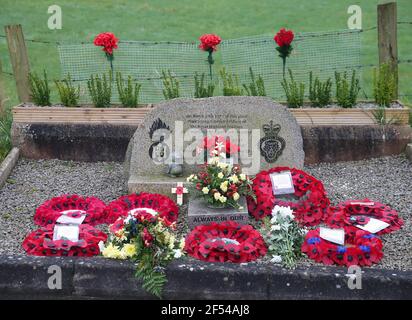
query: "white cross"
179, 190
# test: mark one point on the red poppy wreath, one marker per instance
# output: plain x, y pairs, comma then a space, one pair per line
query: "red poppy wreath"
41, 243
73, 206
152, 203
223, 242
311, 206
350, 213
363, 249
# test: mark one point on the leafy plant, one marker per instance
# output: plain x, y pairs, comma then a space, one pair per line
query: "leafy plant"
100, 90
231, 85
129, 94
381, 118
69, 94
320, 92
171, 85
201, 91
346, 91
384, 85
256, 87
40, 92
5, 138
294, 91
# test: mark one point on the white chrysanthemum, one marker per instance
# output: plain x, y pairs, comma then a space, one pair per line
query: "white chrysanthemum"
217, 195
205, 190
285, 212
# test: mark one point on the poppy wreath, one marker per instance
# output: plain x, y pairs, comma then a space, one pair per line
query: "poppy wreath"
71, 205
223, 242
350, 213
310, 209
40, 243
362, 249
154, 203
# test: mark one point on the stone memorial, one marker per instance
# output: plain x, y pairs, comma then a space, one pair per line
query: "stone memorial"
171, 133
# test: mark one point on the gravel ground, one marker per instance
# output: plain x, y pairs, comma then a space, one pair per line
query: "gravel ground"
388, 180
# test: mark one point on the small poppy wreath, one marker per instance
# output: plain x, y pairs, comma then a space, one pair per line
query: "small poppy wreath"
362, 249
223, 242
40, 243
152, 203
348, 213
312, 204
71, 205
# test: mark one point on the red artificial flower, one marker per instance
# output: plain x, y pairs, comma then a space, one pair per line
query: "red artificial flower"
284, 37
147, 238
214, 142
107, 40
209, 42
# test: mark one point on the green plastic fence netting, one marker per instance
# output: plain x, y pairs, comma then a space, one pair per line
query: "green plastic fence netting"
323, 53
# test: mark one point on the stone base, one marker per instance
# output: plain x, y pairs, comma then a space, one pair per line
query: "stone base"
408, 151
199, 213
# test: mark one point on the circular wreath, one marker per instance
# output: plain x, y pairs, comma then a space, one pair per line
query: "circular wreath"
72, 205
227, 241
40, 243
350, 213
152, 203
312, 203
362, 248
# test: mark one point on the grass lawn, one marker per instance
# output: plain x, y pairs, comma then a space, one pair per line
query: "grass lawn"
186, 20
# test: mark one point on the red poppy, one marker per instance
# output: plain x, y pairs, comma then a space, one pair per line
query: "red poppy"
147, 238
209, 42
107, 40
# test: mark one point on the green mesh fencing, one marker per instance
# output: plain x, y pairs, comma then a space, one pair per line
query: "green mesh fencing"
322, 53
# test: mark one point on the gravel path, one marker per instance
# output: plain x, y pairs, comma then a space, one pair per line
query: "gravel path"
388, 180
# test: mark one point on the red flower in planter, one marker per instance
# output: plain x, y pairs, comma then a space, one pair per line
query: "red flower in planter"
284, 39
209, 43
108, 41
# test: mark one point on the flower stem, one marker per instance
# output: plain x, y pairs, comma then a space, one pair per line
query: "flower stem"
210, 60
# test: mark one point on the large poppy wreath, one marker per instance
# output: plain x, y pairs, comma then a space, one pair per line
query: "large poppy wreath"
40, 243
311, 205
152, 203
71, 205
227, 241
350, 213
362, 248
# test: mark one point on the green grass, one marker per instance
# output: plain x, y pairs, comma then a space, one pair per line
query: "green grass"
186, 20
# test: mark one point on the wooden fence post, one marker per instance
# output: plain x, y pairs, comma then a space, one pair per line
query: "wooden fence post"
388, 38
19, 60
2, 92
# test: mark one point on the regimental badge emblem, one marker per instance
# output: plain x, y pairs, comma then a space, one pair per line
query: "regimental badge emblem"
158, 149
271, 145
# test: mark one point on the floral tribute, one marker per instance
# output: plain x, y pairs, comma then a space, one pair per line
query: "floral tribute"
350, 213
73, 206
283, 236
41, 243
108, 41
225, 242
218, 146
152, 203
284, 39
221, 184
144, 237
209, 43
311, 207
362, 249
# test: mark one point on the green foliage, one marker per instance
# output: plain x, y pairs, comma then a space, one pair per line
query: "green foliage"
231, 85
5, 139
129, 94
384, 85
171, 85
256, 87
100, 90
320, 92
381, 118
40, 92
346, 92
201, 91
294, 91
69, 94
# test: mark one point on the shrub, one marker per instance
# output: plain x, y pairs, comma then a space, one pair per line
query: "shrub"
384, 85
231, 85
294, 91
171, 85
129, 94
40, 92
201, 91
320, 92
100, 90
69, 94
256, 87
346, 92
